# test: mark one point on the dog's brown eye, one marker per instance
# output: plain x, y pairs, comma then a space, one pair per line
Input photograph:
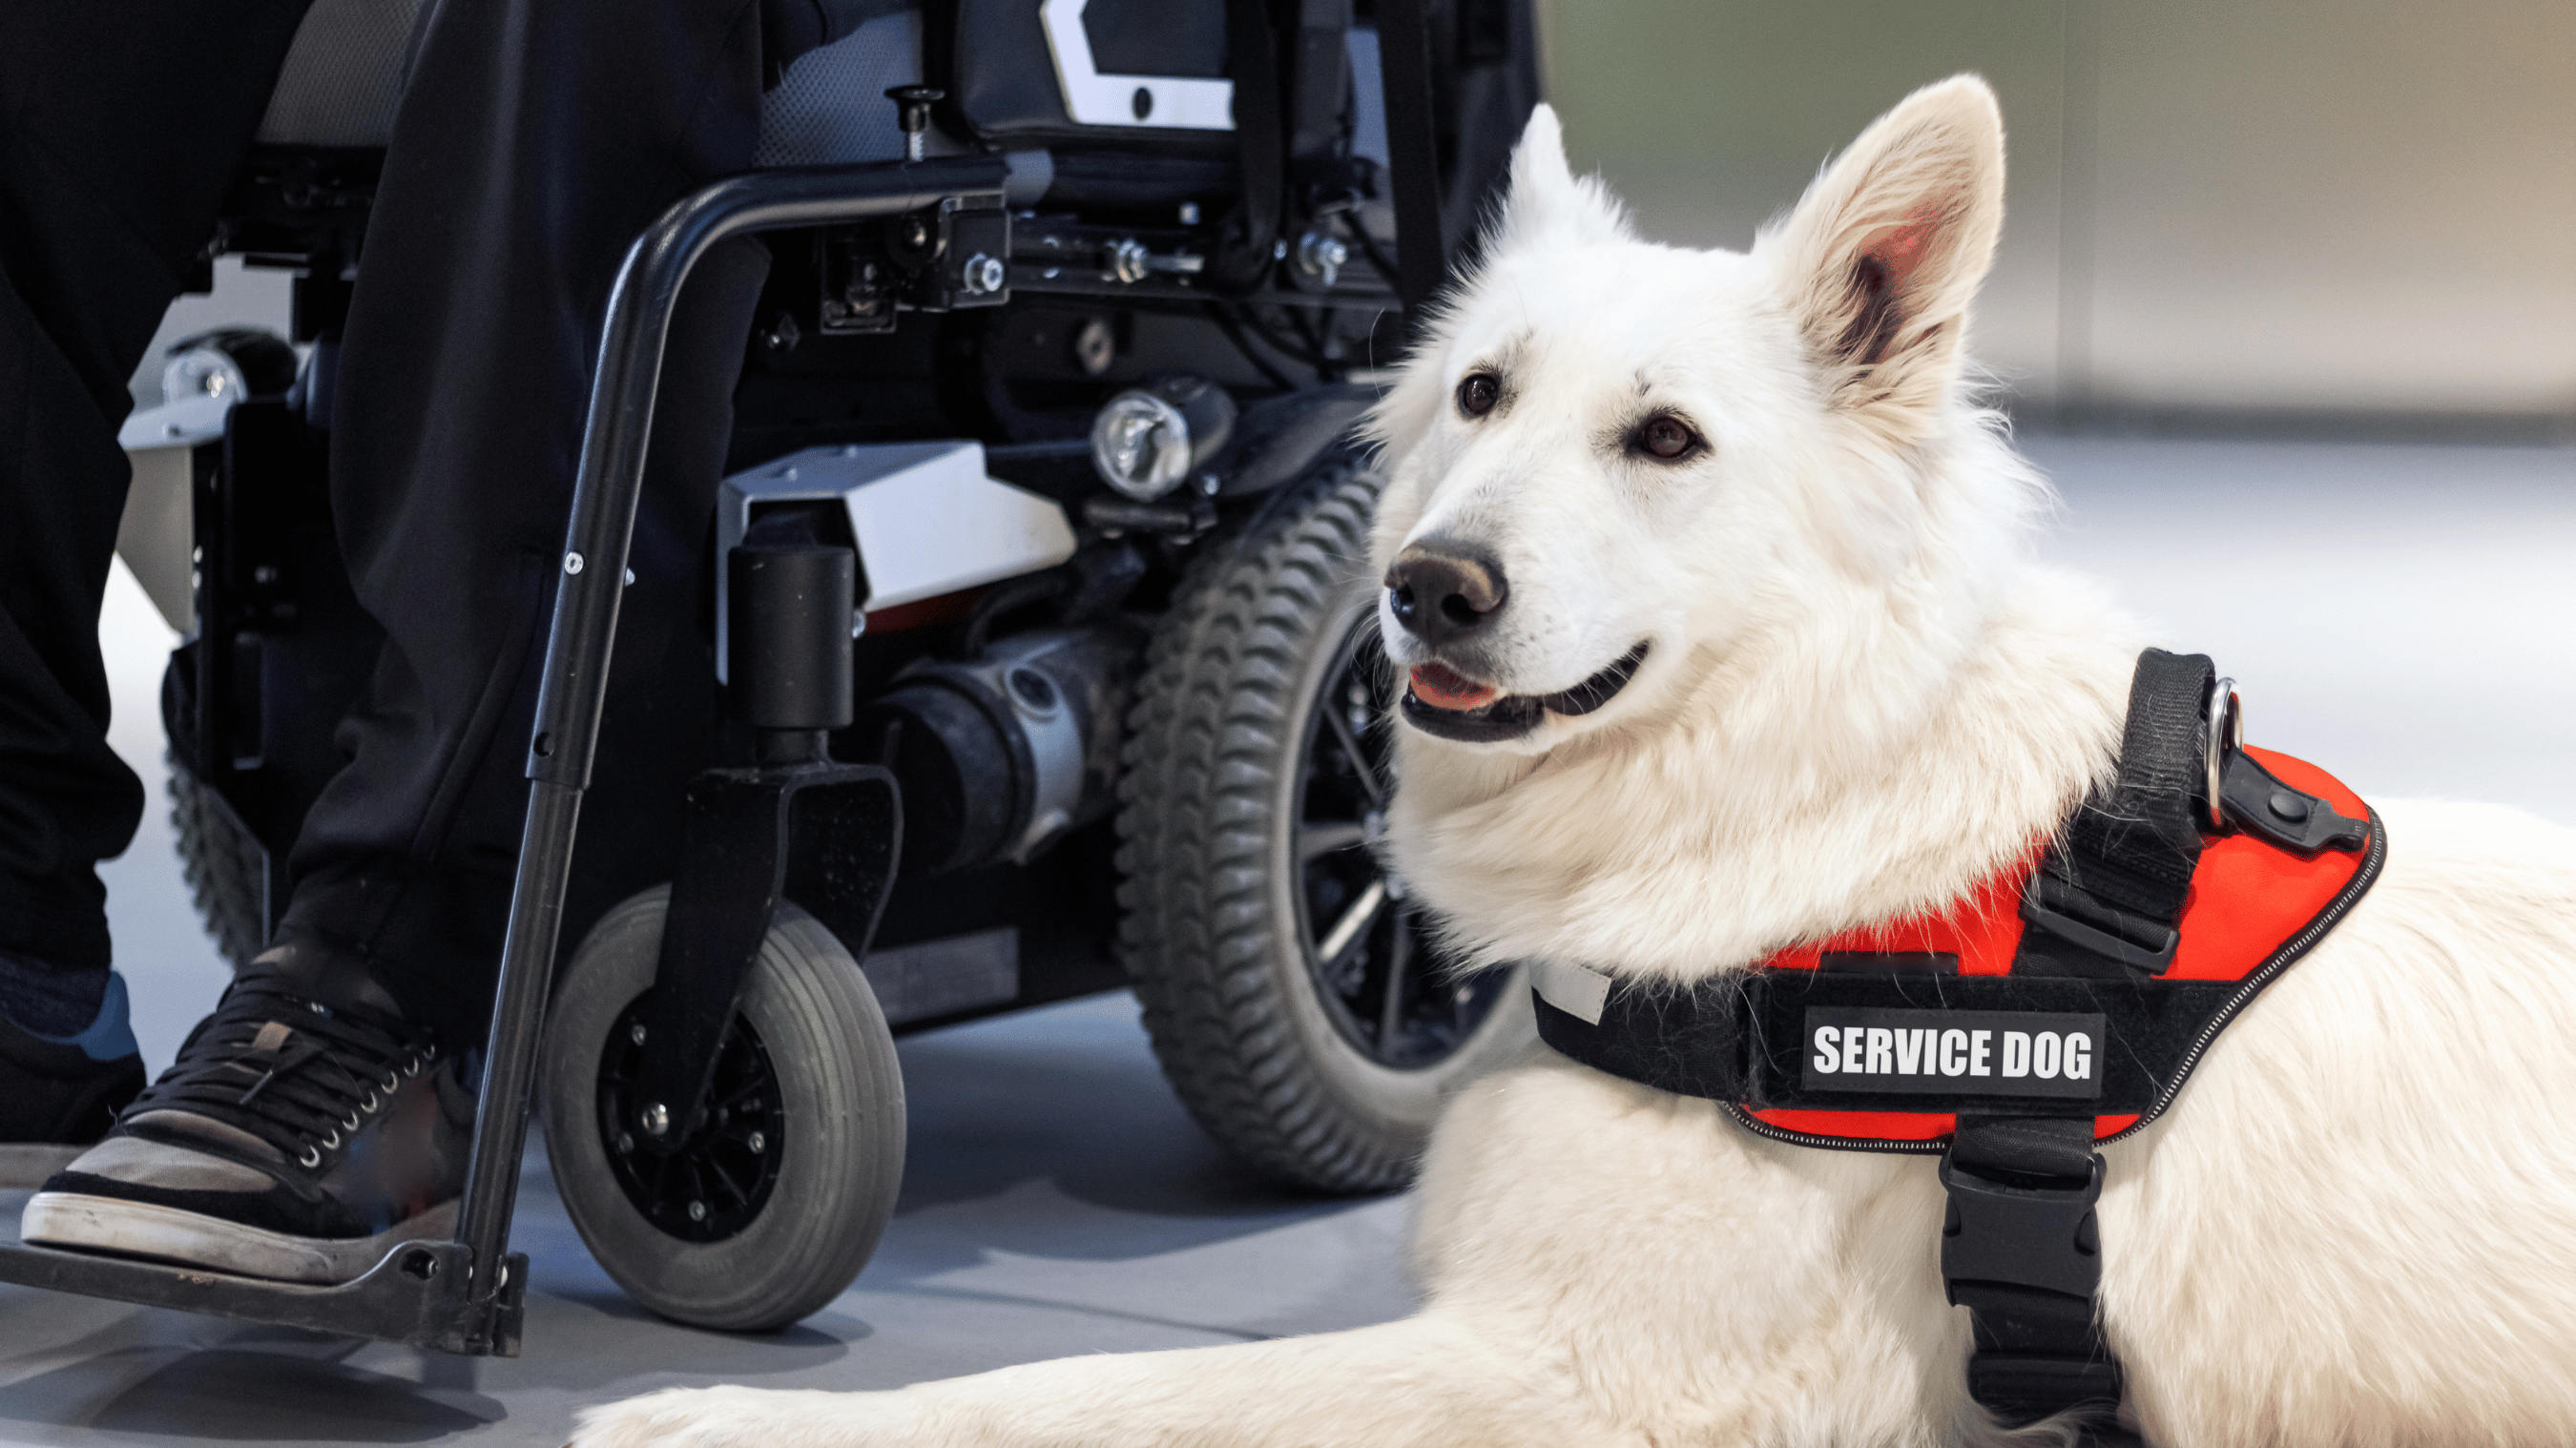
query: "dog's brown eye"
1666, 438
1478, 394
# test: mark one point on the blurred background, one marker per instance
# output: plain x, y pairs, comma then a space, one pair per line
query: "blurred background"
2328, 217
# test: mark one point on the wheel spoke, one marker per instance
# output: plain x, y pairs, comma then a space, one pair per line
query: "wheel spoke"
1357, 749
1358, 918
734, 1189
1323, 839
1399, 969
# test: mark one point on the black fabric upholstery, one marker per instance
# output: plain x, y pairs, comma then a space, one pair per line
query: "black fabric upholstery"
344, 74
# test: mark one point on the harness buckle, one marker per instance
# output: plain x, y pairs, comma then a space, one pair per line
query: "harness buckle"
2014, 1236
2052, 905
2024, 1261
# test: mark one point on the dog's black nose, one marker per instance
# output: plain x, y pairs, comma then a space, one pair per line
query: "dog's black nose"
1442, 591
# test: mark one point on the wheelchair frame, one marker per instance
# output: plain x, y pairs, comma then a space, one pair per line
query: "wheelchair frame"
467, 1294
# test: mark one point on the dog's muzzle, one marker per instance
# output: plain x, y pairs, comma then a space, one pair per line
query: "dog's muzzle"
1514, 715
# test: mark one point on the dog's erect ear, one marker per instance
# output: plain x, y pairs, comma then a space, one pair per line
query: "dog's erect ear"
1547, 200
1884, 252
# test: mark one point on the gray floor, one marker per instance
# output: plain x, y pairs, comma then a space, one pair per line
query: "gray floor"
2397, 614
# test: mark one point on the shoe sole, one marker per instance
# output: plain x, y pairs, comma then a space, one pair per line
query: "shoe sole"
167, 1234
27, 1164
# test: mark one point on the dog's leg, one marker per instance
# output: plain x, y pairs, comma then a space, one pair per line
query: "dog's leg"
1428, 1380
1605, 1265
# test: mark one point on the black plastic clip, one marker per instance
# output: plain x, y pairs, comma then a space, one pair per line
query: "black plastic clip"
2058, 908
2041, 1237
2025, 1262
2255, 800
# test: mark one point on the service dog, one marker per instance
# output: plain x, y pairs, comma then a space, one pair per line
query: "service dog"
1752, 652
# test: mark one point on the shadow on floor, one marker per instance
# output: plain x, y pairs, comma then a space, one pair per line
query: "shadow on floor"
229, 1394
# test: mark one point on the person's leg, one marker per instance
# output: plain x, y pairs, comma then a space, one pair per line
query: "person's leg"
120, 130
541, 137
310, 1124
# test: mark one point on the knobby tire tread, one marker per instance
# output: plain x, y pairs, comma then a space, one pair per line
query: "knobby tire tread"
1213, 731
222, 868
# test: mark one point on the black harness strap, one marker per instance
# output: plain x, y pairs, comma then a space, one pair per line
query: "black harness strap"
2019, 1248
2106, 896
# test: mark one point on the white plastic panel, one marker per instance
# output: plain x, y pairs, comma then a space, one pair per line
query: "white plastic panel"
1174, 102
927, 519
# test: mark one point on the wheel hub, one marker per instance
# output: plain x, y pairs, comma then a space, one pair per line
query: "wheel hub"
714, 1183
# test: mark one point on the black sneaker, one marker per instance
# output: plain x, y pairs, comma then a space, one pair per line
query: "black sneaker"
297, 1138
60, 1094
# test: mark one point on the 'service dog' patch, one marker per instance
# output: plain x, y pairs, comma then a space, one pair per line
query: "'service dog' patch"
1951, 1053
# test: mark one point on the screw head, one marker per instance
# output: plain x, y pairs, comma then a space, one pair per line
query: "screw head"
697, 1211
1321, 258
1127, 260
625, 1143
572, 563
757, 1142
656, 1118
635, 1033
1094, 348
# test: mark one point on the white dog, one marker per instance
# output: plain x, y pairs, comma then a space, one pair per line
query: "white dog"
1858, 699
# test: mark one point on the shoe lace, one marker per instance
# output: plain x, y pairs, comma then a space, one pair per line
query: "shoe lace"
297, 1073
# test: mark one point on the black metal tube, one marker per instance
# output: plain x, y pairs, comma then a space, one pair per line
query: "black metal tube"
518, 1016
1413, 151
605, 488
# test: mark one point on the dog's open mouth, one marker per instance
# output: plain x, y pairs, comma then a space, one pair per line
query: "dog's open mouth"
1443, 702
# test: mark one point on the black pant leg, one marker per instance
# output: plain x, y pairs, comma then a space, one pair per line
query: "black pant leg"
121, 127
537, 138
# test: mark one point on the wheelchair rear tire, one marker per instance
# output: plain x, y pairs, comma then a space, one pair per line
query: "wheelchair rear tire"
226, 870
1294, 993
772, 1215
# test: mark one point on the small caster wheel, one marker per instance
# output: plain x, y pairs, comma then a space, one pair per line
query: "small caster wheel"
773, 1211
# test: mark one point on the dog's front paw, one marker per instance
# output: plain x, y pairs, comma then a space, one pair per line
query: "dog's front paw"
733, 1418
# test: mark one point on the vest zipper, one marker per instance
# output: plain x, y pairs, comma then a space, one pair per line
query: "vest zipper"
2282, 959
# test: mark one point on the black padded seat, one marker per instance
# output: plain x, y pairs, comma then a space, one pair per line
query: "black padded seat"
344, 74
831, 107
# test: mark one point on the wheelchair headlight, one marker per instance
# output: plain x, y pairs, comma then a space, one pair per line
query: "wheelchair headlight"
1147, 439
202, 372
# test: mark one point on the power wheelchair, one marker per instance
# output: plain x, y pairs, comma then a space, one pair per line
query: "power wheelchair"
1045, 662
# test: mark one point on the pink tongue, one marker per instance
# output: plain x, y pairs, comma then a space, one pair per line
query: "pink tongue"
1442, 687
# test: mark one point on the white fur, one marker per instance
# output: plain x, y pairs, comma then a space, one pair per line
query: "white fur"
2356, 1227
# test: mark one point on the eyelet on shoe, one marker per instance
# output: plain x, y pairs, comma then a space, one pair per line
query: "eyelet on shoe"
371, 1102
332, 1143
393, 1079
349, 1122
310, 1159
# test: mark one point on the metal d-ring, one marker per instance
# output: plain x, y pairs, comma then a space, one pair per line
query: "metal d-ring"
2225, 735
